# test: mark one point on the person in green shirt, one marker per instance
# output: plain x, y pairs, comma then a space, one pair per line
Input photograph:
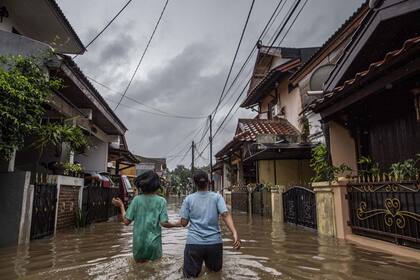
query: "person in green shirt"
148, 212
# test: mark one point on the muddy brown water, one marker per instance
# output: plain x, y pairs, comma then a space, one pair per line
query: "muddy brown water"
270, 251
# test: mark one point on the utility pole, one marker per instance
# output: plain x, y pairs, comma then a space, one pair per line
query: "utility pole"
211, 152
192, 166
192, 159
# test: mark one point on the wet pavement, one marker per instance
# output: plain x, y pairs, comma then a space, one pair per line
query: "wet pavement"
270, 251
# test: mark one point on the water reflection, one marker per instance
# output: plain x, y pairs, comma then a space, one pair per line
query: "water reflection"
270, 251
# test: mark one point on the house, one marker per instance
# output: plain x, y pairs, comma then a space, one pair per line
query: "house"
77, 103
310, 76
370, 106
144, 164
268, 149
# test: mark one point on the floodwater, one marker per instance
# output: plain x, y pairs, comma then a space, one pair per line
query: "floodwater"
270, 251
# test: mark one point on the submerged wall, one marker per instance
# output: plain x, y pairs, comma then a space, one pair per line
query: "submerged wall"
14, 189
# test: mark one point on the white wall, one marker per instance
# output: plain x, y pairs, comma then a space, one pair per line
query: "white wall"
96, 158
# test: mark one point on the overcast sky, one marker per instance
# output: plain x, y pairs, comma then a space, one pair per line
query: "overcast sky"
187, 63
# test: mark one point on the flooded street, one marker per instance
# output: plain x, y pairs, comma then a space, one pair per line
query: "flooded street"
270, 251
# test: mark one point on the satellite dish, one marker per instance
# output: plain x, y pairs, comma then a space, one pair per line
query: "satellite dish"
319, 76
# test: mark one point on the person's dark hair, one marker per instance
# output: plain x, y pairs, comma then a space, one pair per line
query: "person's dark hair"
201, 180
148, 182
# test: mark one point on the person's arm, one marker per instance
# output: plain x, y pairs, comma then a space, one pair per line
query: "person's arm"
183, 222
171, 224
227, 219
118, 203
185, 212
163, 217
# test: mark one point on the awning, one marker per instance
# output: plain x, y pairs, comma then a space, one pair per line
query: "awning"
278, 151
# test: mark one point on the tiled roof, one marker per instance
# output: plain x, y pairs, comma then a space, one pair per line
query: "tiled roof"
256, 91
373, 68
249, 129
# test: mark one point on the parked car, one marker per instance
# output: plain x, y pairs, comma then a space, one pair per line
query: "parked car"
127, 191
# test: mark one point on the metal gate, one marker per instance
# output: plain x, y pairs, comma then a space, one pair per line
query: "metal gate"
239, 199
43, 210
299, 207
97, 203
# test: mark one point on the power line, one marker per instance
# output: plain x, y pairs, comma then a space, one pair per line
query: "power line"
293, 22
142, 56
144, 104
234, 58
275, 13
106, 26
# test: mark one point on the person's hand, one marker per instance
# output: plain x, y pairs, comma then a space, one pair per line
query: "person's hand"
236, 241
117, 202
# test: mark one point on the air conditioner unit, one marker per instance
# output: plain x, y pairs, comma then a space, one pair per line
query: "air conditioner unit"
279, 111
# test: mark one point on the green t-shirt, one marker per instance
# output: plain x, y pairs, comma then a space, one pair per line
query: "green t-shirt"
147, 212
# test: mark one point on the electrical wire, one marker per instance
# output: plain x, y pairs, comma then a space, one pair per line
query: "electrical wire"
144, 104
293, 22
234, 58
106, 26
143, 54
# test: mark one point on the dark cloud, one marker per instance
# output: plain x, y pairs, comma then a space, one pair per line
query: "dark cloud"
186, 65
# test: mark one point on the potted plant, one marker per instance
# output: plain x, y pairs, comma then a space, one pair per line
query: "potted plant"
73, 169
325, 172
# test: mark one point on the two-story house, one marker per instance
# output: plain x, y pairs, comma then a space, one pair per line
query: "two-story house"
269, 148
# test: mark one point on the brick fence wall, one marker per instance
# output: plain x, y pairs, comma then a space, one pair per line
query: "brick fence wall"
68, 202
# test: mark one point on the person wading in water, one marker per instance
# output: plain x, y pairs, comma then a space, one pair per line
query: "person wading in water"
148, 212
204, 241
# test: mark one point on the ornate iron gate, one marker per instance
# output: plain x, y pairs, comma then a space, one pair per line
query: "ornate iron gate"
299, 207
43, 210
386, 210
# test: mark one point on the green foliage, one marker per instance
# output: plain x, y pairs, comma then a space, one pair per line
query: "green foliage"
72, 168
324, 171
56, 134
80, 219
24, 90
405, 169
180, 179
367, 167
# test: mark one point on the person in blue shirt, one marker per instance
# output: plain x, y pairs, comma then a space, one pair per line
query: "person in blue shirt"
201, 210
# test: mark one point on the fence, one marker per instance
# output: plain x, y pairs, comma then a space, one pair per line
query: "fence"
386, 210
97, 203
43, 210
239, 199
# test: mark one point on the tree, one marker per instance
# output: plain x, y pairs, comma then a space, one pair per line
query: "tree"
181, 179
24, 89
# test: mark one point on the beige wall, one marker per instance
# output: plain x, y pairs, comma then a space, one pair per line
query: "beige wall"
288, 172
293, 105
342, 145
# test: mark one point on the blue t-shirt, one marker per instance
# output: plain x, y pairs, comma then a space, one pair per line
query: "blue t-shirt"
202, 210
